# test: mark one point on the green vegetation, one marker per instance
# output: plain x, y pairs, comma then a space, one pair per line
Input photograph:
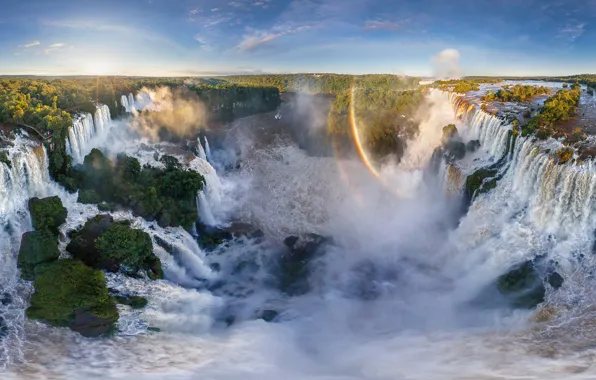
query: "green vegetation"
477, 183
47, 214
517, 93
70, 294
564, 155
333, 84
135, 302
37, 247
115, 246
560, 107
166, 195
463, 85
4, 159
122, 246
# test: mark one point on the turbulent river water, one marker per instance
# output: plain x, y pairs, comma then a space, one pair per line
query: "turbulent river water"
404, 292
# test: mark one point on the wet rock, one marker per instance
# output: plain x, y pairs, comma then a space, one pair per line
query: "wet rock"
47, 214
70, 294
473, 145
269, 315
136, 302
522, 286
82, 245
37, 247
295, 263
5, 299
153, 329
455, 150
555, 280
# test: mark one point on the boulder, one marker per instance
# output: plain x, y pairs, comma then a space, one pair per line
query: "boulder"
555, 280
136, 302
70, 294
37, 247
522, 286
82, 244
455, 150
88, 197
295, 263
473, 145
47, 213
115, 246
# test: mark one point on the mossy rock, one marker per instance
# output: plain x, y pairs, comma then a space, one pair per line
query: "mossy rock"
136, 302
475, 183
449, 132
70, 294
123, 246
105, 206
4, 159
47, 213
37, 247
82, 243
88, 197
522, 286
455, 150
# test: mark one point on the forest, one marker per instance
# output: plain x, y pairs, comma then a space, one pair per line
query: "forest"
561, 106
517, 93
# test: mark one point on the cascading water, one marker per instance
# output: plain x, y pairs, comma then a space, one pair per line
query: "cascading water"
84, 128
207, 150
399, 284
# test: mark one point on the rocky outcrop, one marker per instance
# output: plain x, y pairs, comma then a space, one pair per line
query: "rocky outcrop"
47, 214
70, 294
37, 247
295, 264
522, 286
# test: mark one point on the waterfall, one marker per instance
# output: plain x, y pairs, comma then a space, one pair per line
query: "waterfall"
202, 154
102, 118
210, 199
79, 135
207, 150
489, 129
26, 176
84, 128
128, 103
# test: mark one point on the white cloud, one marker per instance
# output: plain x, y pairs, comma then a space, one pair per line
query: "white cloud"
260, 37
214, 9
384, 24
54, 47
447, 64
572, 31
31, 44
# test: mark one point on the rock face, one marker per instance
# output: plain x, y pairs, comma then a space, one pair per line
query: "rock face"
47, 214
37, 247
473, 145
114, 246
295, 264
136, 302
70, 294
522, 286
82, 244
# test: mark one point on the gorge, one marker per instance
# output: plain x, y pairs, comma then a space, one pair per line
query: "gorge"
317, 266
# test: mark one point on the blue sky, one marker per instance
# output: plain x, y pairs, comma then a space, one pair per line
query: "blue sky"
208, 37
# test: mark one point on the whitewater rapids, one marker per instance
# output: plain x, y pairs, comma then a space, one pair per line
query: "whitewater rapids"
394, 298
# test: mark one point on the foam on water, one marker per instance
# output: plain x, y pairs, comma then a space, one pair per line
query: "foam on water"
393, 298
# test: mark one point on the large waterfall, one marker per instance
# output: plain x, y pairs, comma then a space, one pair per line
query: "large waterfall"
401, 292
84, 128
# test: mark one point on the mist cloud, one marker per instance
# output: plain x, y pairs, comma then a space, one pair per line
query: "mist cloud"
179, 112
446, 65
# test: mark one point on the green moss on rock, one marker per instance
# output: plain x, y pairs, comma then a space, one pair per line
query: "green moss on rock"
523, 286
4, 159
70, 294
37, 247
47, 213
475, 183
126, 246
136, 302
88, 197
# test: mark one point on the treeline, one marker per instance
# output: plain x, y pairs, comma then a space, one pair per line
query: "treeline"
326, 83
560, 107
517, 93
228, 101
463, 85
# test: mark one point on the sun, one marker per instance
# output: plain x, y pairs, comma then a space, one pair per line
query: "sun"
99, 68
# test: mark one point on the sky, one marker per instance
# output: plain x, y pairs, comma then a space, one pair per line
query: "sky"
215, 37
